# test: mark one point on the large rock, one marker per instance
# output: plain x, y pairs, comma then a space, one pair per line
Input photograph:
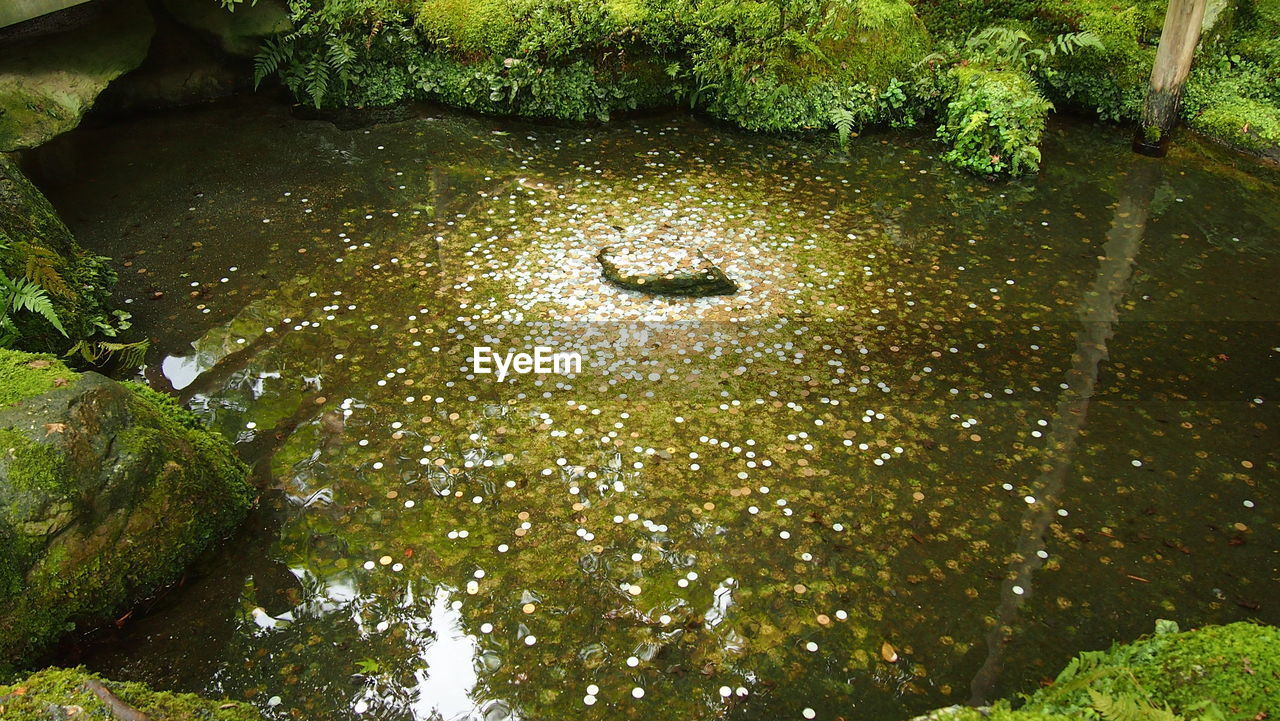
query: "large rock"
663, 268
36, 245
47, 83
241, 31
107, 491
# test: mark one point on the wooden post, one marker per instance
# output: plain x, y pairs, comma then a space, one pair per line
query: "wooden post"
1178, 42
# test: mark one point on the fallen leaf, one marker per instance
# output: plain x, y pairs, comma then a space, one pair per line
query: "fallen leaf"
888, 653
41, 363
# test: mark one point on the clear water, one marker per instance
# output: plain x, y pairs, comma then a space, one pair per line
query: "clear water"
986, 425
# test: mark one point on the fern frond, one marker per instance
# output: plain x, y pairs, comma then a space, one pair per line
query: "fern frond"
317, 80
275, 53
26, 295
40, 270
339, 51
128, 355
843, 120
1129, 708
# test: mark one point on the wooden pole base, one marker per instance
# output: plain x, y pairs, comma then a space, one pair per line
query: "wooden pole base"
1157, 148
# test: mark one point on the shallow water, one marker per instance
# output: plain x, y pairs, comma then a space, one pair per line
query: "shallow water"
987, 425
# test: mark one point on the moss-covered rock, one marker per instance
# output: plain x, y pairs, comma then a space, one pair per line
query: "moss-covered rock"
1233, 668
107, 491
47, 83
663, 268
75, 693
36, 245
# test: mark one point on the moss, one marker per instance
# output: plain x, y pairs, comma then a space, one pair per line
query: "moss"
166, 404
1000, 711
23, 375
32, 466
765, 70
762, 65
1221, 672
1244, 123
30, 700
1111, 83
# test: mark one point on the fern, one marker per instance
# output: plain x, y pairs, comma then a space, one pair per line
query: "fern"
40, 269
27, 296
274, 55
1012, 48
843, 120
1067, 43
1129, 707
316, 80
128, 355
8, 331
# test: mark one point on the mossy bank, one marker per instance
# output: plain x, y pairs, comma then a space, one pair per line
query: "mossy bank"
76, 693
1217, 673
841, 65
107, 491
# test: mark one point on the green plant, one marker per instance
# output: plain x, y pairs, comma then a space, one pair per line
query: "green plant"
1111, 81
1012, 48
993, 121
23, 295
126, 355
1170, 676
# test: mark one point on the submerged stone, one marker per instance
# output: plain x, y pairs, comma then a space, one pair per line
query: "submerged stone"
664, 269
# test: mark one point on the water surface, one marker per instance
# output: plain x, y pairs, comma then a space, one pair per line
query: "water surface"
986, 425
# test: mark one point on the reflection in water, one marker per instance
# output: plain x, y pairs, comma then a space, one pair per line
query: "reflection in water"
449, 655
1099, 313
181, 371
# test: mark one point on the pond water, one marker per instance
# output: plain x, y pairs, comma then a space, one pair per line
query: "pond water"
946, 434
